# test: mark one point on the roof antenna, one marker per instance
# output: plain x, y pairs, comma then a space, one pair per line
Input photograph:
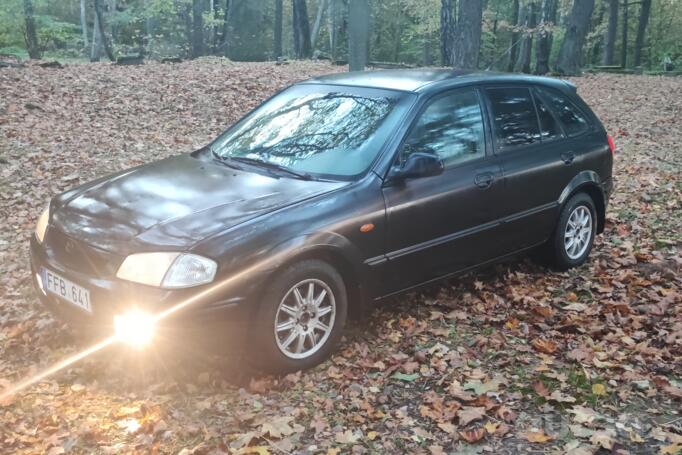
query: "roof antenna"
504, 53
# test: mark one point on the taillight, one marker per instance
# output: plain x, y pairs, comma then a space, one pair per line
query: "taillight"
612, 145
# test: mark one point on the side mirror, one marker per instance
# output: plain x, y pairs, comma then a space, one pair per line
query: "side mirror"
418, 164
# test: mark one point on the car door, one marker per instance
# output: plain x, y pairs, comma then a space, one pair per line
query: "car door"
536, 161
441, 224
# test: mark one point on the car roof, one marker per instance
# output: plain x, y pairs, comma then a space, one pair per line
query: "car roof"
427, 80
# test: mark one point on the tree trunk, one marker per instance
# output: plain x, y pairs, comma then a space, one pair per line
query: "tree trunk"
641, 30
333, 29
543, 45
428, 54
31, 35
526, 44
225, 39
447, 30
513, 46
358, 34
301, 29
624, 38
96, 44
318, 23
197, 28
397, 33
84, 26
577, 25
610, 38
278, 28
103, 40
467, 34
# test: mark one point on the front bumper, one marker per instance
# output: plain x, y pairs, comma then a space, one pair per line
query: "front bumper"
215, 318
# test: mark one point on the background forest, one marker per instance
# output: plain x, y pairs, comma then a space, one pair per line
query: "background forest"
538, 36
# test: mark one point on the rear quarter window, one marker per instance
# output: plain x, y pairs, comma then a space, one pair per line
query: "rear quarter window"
571, 116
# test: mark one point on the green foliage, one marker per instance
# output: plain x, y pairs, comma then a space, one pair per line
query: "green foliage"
405, 31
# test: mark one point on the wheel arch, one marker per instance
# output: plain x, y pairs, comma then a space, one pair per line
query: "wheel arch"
335, 250
587, 182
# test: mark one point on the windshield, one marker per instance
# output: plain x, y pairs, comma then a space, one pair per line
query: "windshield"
324, 131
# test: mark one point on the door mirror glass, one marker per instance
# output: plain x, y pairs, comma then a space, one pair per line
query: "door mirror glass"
419, 164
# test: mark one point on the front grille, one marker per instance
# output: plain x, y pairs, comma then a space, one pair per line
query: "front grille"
78, 256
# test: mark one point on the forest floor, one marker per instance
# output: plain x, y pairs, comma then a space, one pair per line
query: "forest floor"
514, 358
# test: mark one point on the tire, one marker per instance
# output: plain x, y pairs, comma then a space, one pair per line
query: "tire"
580, 212
300, 320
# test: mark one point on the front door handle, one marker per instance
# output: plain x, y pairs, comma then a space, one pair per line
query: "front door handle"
567, 157
485, 180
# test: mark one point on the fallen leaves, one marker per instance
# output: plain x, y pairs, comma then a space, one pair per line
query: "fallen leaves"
495, 351
473, 435
538, 436
544, 346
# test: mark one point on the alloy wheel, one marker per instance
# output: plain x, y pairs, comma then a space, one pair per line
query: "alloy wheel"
578, 232
305, 318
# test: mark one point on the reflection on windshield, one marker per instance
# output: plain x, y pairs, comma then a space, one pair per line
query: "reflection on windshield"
324, 133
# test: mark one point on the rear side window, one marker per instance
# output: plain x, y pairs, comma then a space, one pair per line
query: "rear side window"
514, 114
549, 127
571, 117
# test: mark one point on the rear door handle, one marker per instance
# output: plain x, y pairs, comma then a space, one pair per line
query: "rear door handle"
567, 157
485, 180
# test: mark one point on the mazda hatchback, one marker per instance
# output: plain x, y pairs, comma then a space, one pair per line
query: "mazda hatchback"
333, 194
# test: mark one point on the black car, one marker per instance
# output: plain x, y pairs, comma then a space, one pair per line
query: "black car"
334, 193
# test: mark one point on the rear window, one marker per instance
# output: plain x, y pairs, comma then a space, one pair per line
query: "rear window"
514, 114
570, 115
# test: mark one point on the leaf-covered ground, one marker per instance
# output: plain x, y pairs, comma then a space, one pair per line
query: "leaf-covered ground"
513, 358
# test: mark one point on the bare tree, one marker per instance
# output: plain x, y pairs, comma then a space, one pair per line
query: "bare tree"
610, 38
321, 10
543, 44
467, 34
526, 44
577, 25
447, 30
641, 29
84, 25
513, 46
301, 27
624, 37
358, 34
102, 38
278, 28
31, 35
198, 7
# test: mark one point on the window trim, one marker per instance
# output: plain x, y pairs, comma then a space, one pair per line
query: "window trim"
588, 119
487, 144
535, 94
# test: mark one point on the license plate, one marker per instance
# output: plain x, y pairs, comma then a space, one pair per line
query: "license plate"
67, 290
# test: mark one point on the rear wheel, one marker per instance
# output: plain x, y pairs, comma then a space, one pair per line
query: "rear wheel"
300, 318
574, 235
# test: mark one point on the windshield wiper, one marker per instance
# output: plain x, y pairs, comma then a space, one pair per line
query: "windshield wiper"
219, 159
271, 166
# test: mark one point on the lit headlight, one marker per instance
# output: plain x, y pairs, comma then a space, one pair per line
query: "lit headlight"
41, 226
167, 270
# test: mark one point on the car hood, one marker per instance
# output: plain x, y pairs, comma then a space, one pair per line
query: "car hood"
173, 204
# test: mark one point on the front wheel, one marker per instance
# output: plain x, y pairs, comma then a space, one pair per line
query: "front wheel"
574, 234
300, 318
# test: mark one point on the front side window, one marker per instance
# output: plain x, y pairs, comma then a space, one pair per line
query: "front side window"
325, 131
572, 118
450, 127
515, 120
